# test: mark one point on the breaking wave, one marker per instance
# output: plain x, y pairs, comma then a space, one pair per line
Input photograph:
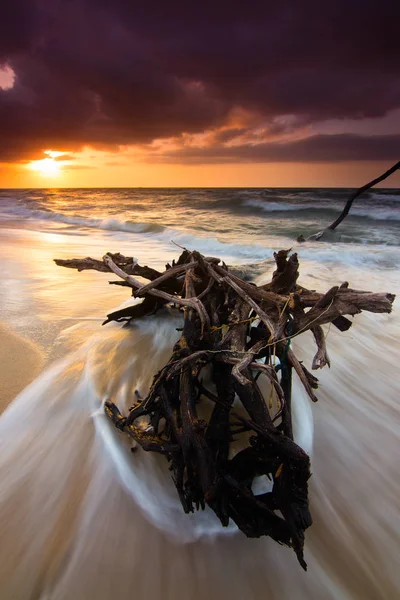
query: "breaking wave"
109, 224
369, 212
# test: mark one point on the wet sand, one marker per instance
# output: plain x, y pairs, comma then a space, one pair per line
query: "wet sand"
20, 362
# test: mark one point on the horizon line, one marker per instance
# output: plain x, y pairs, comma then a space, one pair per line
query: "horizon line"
199, 187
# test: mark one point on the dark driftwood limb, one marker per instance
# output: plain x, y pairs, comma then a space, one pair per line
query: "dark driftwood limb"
360, 191
238, 331
128, 263
350, 201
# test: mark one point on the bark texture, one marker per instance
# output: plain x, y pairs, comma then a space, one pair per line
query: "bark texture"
240, 332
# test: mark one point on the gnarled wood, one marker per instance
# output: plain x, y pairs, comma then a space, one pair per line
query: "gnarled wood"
239, 331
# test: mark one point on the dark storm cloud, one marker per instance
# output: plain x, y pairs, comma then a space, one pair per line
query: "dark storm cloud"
108, 73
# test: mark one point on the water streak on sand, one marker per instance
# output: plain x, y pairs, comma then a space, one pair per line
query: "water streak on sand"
95, 509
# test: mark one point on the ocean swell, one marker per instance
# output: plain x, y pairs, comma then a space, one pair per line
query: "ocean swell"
369, 212
108, 224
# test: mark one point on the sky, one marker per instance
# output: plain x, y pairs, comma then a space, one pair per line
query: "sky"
184, 94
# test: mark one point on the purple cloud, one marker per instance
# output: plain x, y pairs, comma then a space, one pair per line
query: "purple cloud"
105, 74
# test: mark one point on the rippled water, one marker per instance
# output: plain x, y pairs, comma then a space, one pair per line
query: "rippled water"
256, 215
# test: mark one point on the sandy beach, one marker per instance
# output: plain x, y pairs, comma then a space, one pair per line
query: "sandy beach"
20, 362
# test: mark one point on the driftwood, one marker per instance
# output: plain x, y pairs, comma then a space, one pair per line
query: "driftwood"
241, 333
346, 209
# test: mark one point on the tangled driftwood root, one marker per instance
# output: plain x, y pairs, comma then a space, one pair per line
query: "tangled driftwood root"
241, 333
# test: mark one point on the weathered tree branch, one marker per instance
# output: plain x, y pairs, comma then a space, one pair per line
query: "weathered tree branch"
347, 207
238, 331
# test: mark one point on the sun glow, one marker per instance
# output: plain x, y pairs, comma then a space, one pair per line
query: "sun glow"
48, 167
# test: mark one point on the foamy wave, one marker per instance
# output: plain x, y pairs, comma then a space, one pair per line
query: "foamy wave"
359, 254
210, 246
378, 214
374, 213
276, 206
110, 224
352, 255
291, 207
395, 197
214, 247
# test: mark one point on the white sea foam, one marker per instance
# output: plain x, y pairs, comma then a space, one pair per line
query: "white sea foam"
110, 224
370, 212
391, 197
379, 214
281, 206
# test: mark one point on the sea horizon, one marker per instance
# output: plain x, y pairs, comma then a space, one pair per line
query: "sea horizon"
223, 187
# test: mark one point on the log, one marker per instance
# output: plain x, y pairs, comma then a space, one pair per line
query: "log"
241, 332
349, 202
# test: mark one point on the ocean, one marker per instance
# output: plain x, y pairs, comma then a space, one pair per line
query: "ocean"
79, 516
241, 226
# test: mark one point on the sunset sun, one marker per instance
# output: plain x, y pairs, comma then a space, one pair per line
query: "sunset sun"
47, 167
51, 166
